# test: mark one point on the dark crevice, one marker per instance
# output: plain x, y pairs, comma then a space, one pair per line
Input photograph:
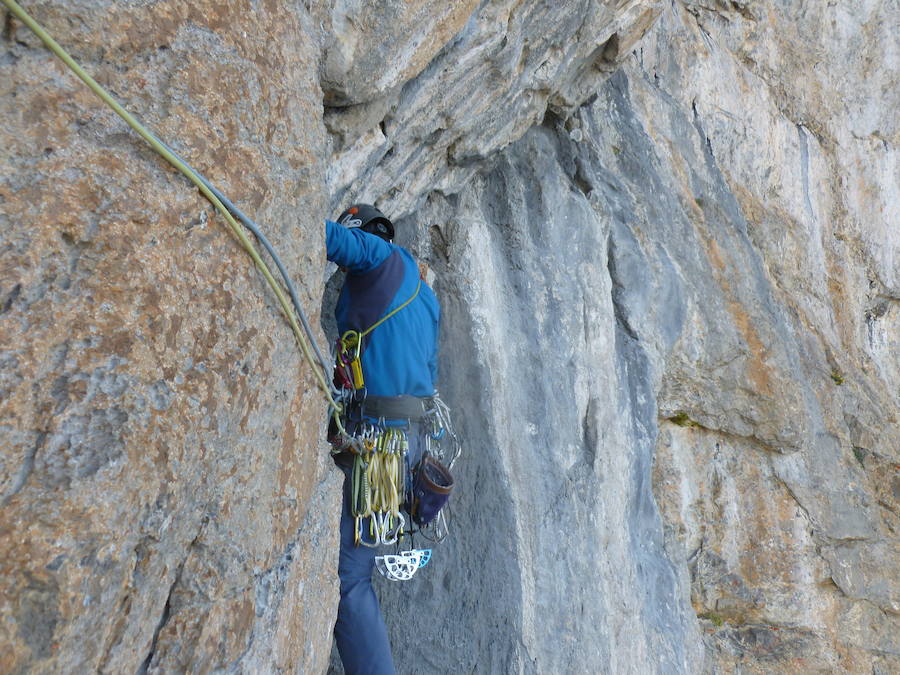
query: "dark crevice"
589, 101
162, 622
8, 27
618, 307
590, 438
680, 418
699, 127
439, 243
551, 120
581, 180
607, 54
11, 298
167, 608
742, 9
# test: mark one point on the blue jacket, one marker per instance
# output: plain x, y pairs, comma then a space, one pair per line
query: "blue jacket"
400, 356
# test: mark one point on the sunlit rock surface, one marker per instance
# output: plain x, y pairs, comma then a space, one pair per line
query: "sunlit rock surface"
665, 237
166, 501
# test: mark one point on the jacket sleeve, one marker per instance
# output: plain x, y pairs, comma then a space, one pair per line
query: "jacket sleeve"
358, 251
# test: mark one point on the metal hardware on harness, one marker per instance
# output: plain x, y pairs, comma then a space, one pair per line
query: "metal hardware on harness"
378, 483
441, 442
381, 485
349, 358
402, 566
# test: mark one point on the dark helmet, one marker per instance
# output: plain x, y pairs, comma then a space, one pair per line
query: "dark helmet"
369, 219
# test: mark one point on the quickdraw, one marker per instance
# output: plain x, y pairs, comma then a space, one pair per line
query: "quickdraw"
379, 484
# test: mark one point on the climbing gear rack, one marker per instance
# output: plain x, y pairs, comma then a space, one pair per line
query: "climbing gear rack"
378, 481
383, 485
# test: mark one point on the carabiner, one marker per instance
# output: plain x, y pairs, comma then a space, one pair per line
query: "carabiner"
359, 538
389, 537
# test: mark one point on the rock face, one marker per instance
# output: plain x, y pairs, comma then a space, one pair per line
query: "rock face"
166, 502
665, 238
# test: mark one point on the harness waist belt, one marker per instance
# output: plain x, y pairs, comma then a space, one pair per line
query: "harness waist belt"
395, 407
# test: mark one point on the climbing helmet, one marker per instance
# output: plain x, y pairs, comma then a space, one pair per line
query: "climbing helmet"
369, 219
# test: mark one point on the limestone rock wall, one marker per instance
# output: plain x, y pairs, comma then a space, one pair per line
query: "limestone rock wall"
665, 239
166, 500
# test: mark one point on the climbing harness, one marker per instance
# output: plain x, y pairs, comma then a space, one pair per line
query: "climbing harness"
375, 433
228, 210
384, 488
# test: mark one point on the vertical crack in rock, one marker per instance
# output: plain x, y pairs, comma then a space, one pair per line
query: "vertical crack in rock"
590, 437
161, 624
621, 312
167, 608
11, 298
707, 143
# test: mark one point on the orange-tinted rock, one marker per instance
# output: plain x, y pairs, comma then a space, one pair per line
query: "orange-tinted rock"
161, 432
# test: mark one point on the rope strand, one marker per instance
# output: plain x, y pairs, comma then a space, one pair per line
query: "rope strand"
210, 193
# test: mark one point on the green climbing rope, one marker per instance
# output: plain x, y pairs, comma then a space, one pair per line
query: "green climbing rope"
191, 175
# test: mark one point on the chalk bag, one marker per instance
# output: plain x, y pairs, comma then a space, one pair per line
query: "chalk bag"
431, 490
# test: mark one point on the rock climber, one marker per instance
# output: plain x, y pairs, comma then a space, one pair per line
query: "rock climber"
399, 369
